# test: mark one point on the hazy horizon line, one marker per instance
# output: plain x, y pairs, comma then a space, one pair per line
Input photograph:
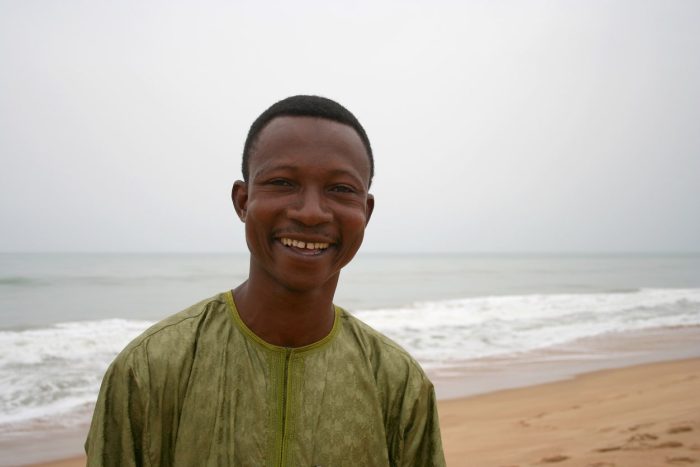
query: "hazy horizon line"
377, 252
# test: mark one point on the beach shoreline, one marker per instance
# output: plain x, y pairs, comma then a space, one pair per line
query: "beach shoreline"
563, 362
498, 405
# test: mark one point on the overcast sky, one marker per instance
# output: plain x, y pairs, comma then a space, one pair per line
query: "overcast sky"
520, 126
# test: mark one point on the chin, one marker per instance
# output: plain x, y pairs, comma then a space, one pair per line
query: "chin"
303, 283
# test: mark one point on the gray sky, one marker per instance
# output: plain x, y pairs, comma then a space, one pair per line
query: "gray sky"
518, 126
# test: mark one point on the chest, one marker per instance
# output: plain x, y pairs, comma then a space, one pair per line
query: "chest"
248, 406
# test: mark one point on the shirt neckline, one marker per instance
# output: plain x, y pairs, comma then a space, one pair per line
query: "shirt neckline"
276, 348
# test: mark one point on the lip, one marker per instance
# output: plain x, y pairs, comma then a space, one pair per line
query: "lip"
305, 238
281, 240
304, 253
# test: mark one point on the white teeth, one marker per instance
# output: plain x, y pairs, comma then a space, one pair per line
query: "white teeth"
304, 245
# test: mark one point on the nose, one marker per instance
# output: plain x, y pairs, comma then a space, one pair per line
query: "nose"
310, 208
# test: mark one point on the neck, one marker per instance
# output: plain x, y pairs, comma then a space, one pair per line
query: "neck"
284, 317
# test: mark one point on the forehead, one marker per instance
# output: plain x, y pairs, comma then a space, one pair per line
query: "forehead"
301, 139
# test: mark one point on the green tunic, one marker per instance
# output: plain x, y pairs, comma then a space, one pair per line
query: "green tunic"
199, 388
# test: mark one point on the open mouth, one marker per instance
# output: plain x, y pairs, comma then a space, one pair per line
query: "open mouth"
305, 248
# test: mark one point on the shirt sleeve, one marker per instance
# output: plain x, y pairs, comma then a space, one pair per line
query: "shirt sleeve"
117, 435
422, 444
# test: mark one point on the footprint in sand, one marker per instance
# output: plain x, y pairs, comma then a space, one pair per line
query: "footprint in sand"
608, 449
551, 459
681, 460
642, 437
637, 427
602, 464
669, 444
679, 429
640, 442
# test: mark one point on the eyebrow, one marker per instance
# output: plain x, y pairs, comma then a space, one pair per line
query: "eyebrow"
294, 168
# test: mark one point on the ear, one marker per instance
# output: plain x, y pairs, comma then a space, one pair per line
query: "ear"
239, 196
370, 207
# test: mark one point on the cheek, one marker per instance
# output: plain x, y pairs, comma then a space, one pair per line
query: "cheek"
256, 228
354, 223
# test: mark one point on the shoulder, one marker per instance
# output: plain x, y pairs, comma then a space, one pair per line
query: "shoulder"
178, 333
406, 395
388, 359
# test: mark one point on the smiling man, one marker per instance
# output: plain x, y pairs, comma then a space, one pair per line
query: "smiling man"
272, 373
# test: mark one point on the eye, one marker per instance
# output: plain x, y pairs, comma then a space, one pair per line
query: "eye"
342, 189
279, 182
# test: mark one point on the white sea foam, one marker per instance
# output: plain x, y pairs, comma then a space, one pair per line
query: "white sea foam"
442, 332
54, 373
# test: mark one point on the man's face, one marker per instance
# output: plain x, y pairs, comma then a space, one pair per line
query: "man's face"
306, 202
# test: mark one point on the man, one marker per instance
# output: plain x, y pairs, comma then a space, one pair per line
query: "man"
272, 373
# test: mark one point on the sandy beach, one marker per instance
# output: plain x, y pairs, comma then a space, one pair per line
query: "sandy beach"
647, 415
644, 415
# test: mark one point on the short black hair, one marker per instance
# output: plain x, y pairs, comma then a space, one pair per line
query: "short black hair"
305, 106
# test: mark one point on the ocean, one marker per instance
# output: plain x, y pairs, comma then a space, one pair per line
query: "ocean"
66, 316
